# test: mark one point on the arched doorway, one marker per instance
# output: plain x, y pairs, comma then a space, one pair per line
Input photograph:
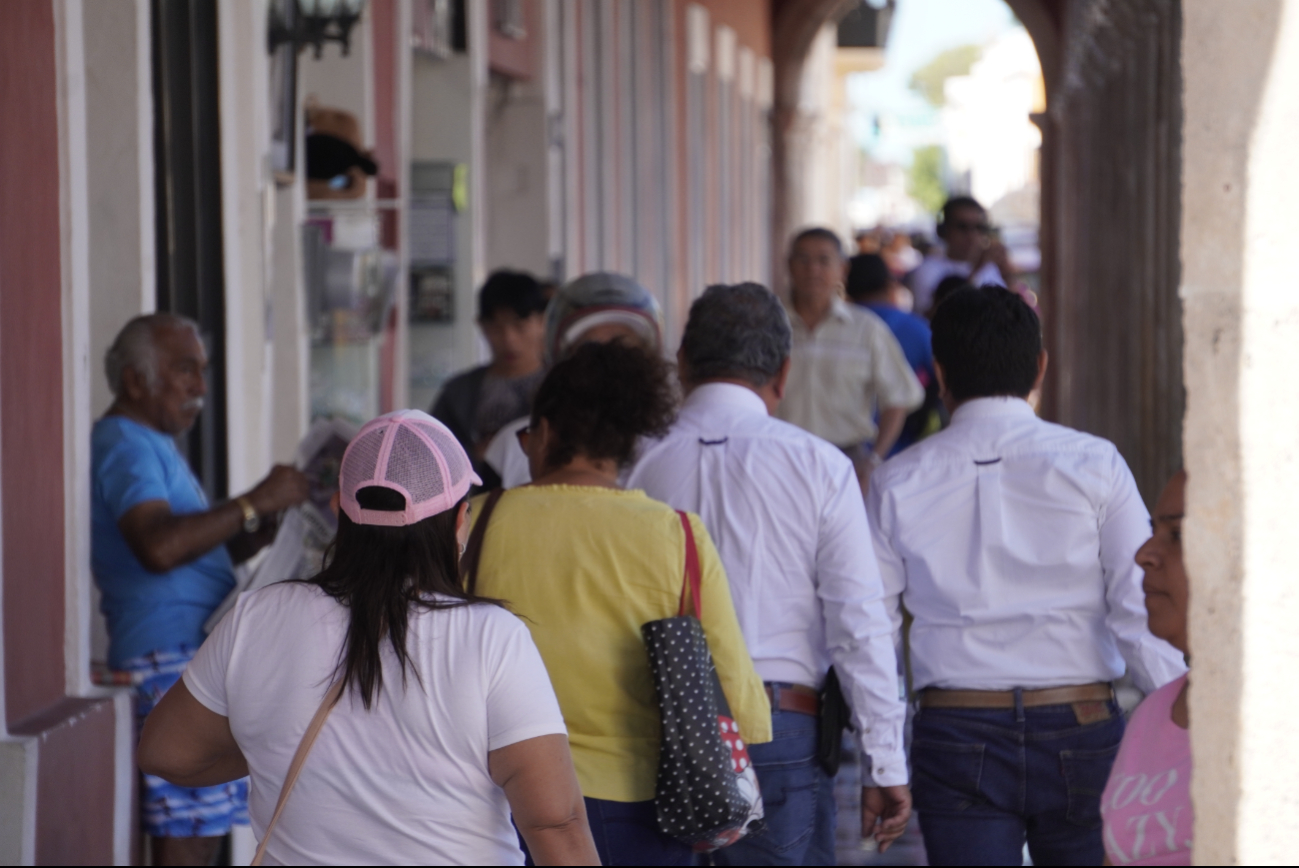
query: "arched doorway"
1111, 208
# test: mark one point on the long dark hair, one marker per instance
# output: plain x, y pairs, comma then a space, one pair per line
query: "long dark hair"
380, 574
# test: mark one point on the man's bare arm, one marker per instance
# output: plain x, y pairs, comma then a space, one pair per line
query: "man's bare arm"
162, 540
891, 421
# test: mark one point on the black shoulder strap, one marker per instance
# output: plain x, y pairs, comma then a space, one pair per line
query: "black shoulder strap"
474, 548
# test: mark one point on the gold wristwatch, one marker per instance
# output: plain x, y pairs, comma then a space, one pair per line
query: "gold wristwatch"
252, 520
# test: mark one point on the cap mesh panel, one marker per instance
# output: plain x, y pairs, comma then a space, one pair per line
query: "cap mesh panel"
364, 456
451, 451
411, 464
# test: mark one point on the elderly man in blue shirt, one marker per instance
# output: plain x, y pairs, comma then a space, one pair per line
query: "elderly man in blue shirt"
163, 557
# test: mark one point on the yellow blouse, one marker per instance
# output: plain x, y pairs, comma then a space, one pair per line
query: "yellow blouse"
586, 567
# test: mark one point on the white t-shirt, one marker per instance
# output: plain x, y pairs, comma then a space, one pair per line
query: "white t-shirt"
925, 279
506, 456
403, 783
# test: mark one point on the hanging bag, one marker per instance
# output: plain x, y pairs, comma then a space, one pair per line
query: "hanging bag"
707, 792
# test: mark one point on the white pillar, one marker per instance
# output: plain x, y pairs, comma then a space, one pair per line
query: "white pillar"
247, 210
1241, 295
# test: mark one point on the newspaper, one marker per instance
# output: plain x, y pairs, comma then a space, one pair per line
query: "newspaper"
306, 530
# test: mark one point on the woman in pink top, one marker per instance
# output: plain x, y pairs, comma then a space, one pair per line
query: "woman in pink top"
1146, 808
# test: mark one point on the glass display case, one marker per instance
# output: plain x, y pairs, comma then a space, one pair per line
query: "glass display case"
350, 291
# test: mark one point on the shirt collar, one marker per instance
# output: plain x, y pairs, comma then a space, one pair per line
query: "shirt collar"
1000, 407
839, 310
725, 395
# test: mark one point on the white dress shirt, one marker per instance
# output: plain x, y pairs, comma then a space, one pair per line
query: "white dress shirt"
785, 511
925, 279
1011, 541
842, 371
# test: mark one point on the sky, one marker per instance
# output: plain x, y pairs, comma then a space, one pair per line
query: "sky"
921, 30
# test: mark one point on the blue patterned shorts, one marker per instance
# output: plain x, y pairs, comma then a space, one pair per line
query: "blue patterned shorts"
166, 810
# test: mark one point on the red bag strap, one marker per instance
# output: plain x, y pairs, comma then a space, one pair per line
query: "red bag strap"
692, 569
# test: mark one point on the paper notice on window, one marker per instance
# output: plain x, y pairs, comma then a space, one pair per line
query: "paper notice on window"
432, 230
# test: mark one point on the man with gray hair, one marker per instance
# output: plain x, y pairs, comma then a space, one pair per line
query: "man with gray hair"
785, 510
162, 556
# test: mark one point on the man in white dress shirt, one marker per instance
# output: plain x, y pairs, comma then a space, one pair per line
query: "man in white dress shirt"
785, 510
1011, 541
968, 252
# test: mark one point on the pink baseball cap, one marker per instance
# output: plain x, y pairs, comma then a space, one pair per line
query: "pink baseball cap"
413, 454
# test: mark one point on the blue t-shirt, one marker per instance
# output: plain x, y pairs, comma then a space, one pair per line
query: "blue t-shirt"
917, 344
131, 464
913, 334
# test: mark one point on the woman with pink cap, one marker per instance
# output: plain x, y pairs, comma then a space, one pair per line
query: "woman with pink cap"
407, 719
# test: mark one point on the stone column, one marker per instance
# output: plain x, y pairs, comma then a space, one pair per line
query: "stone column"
1240, 289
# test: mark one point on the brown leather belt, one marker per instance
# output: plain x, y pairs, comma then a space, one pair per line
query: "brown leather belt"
793, 697
933, 697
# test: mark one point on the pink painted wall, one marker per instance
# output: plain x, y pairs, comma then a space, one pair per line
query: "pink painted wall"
74, 738
515, 57
31, 363
74, 782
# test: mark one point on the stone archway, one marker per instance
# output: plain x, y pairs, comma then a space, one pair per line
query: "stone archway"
794, 26
1168, 223
1111, 207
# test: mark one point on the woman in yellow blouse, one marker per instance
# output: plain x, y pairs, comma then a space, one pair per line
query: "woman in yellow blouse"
586, 563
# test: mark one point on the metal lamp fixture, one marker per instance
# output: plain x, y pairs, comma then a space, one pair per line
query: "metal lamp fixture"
313, 22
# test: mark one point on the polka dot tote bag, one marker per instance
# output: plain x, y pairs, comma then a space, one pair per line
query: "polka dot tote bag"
707, 792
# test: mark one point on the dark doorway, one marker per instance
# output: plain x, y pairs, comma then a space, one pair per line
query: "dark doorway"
187, 160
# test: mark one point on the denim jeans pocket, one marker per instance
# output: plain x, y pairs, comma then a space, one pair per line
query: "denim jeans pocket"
791, 747
946, 775
1085, 774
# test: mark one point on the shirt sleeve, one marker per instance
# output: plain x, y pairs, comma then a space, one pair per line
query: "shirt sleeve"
858, 629
1125, 526
130, 473
205, 676
893, 576
521, 703
740, 681
895, 383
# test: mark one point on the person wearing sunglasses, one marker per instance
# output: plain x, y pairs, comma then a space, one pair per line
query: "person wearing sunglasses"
969, 251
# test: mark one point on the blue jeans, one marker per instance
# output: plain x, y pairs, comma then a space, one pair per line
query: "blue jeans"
798, 798
627, 833
986, 780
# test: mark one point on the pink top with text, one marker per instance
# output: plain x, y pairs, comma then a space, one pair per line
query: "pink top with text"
1146, 807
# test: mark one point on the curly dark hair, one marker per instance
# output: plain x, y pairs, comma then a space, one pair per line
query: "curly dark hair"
603, 397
